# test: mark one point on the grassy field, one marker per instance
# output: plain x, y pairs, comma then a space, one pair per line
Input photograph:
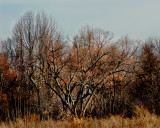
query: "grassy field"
144, 119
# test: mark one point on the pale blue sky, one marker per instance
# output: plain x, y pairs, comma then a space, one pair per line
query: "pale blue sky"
139, 19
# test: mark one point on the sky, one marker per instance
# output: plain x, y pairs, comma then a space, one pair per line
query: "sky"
138, 19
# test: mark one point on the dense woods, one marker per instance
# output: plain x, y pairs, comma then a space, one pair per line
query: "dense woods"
43, 73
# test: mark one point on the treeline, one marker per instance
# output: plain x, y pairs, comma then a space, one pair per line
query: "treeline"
43, 73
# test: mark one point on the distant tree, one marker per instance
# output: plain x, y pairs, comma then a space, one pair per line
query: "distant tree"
147, 75
31, 38
7, 87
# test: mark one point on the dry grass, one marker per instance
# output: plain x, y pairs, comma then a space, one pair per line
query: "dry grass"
144, 119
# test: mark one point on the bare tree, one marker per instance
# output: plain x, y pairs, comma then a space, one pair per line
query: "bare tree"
75, 73
32, 35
